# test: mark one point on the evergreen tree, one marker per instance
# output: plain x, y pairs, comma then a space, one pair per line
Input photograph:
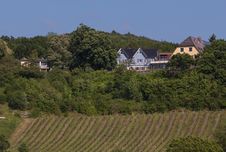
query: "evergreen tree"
212, 61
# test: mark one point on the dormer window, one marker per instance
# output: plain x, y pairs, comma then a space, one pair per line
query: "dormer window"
190, 49
181, 49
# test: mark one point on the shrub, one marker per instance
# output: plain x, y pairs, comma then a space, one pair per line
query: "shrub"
221, 137
193, 144
3, 97
178, 64
4, 144
23, 148
35, 113
17, 100
86, 107
28, 73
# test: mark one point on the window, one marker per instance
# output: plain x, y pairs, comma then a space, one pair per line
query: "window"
190, 49
139, 60
181, 49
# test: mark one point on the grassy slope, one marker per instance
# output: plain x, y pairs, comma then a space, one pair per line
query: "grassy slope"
149, 133
8, 125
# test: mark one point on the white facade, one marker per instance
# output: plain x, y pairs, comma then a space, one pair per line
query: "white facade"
139, 58
138, 61
121, 57
43, 65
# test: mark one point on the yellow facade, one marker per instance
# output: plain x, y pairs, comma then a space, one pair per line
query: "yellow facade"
192, 51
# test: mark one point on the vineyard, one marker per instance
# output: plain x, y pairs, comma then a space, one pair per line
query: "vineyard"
134, 133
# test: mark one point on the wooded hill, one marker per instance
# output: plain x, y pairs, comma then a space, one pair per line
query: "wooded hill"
95, 85
57, 46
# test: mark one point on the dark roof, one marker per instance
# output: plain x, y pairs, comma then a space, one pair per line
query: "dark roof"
193, 41
151, 53
148, 53
129, 52
42, 60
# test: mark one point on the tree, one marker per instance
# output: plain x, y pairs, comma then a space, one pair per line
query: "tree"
21, 47
179, 63
23, 148
213, 61
4, 144
18, 100
91, 48
29, 47
193, 144
212, 38
58, 54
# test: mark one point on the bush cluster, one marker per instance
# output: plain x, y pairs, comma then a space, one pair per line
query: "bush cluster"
104, 92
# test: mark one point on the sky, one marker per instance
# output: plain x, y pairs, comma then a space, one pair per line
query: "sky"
169, 20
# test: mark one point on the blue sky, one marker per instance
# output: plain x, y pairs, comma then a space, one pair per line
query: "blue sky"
171, 20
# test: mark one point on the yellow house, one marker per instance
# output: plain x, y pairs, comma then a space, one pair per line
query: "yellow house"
191, 46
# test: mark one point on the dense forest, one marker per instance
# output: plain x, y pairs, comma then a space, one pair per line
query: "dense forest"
85, 78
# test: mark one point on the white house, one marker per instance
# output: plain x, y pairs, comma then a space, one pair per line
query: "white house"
137, 59
25, 62
42, 63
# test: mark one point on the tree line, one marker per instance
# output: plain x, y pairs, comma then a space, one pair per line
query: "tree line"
84, 47
186, 83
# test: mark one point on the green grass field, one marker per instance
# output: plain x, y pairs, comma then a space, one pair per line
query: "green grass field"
134, 133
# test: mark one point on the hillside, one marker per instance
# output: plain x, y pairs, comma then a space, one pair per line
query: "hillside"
54, 46
134, 133
134, 41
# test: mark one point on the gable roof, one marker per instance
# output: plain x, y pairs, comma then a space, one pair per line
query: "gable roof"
148, 53
128, 52
198, 43
151, 53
